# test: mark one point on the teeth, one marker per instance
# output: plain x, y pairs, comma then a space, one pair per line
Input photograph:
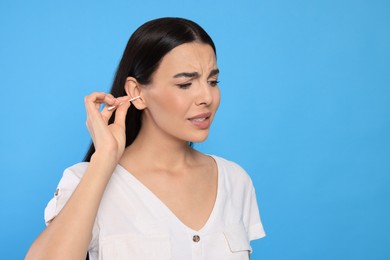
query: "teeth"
199, 119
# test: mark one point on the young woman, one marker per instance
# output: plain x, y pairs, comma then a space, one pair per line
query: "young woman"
143, 192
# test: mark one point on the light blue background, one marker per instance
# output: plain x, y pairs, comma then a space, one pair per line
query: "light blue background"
305, 110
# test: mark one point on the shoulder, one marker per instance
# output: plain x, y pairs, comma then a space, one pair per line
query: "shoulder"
68, 183
232, 172
74, 173
77, 169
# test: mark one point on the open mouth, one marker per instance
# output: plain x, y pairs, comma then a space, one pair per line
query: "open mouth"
202, 120
199, 119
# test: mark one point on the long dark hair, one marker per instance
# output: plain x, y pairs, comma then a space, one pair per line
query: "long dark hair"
142, 56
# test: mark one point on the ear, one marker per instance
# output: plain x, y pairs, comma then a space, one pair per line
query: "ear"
134, 89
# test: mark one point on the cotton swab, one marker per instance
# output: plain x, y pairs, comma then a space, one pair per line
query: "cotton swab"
113, 107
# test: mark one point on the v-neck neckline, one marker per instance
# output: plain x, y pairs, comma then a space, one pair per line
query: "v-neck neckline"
143, 188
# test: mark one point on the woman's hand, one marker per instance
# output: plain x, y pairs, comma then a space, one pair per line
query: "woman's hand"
109, 140
69, 234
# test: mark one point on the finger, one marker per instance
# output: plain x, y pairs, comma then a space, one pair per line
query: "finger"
100, 97
121, 112
107, 112
110, 100
94, 101
125, 99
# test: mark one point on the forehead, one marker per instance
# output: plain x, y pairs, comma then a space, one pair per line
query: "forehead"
188, 57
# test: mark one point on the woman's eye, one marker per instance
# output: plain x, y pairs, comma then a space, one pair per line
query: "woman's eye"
213, 83
184, 86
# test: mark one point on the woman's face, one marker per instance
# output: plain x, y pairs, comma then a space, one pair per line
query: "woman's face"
183, 97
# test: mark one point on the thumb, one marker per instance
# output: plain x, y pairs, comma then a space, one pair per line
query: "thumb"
121, 112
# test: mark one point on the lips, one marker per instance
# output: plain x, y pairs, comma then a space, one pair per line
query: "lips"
201, 121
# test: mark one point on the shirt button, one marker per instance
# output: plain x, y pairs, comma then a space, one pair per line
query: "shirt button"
196, 238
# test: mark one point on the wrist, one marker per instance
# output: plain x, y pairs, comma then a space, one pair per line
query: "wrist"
103, 161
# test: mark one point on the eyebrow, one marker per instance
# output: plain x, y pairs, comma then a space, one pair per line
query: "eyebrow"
187, 75
214, 72
195, 74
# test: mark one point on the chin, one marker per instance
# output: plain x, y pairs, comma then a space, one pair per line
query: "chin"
199, 138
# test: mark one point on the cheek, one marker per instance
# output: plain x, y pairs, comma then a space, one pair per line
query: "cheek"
216, 98
168, 103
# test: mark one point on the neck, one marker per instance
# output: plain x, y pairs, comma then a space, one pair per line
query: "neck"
158, 151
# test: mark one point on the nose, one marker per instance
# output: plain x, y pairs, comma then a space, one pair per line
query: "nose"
204, 96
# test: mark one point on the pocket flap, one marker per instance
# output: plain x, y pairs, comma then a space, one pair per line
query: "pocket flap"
237, 238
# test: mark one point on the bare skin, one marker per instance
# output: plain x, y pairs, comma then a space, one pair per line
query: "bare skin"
184, 179
68, 236
188, 189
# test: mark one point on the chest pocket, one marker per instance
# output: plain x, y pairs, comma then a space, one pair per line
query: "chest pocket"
238, 242
136, 247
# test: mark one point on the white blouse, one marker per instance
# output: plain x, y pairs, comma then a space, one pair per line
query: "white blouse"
133, 223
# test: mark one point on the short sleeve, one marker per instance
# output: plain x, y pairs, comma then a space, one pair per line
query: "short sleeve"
240, 188
68, 183
65, 188
252, 219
